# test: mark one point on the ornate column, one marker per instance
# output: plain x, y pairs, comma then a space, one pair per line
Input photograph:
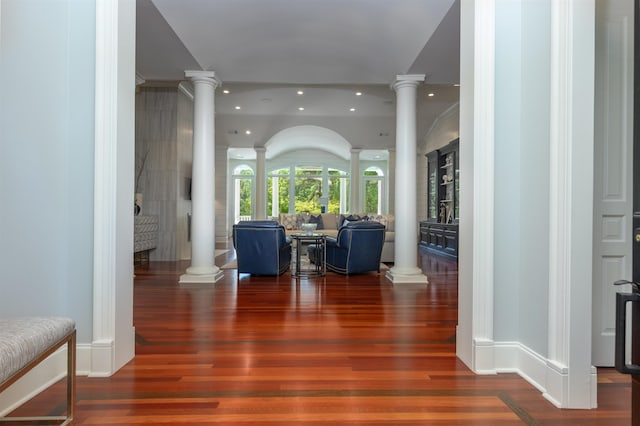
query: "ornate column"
261, 183
203, 268
405, 269
354, 192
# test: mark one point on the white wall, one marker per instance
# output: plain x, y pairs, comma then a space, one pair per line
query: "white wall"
443, 130
361, 132
46, 161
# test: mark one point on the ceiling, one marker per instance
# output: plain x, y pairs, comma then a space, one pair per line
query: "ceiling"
265, 51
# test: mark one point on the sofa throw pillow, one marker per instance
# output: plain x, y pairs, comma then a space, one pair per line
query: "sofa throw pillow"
379, 218
385, 219
289, 221
330, 220
317, 220
350, 218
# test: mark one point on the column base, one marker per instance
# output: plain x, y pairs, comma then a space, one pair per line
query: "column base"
406, 276
200, 275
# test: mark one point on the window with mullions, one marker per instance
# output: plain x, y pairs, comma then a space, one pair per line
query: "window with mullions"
308, 189
312, 187
373, 190
338, 191
278, 192
242, 192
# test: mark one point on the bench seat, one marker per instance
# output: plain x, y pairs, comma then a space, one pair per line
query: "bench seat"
27, 341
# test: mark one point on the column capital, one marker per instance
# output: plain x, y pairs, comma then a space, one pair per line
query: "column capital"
356, 150
412, 80
203, 76
260, 149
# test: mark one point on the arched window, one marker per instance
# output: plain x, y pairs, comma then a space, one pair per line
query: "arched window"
374, 185
243, 192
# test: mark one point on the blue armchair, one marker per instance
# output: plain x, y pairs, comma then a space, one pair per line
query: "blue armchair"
356, 249
262, 247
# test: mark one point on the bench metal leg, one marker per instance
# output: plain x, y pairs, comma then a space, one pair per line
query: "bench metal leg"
70, 341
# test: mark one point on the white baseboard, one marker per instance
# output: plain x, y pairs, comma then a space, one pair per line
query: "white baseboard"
545, 375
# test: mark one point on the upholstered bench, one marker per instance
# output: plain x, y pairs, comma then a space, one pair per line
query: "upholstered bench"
27, 341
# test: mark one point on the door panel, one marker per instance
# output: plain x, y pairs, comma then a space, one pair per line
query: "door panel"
613, 168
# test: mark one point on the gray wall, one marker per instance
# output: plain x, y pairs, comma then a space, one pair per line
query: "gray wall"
164, 119
46, 161
521, 173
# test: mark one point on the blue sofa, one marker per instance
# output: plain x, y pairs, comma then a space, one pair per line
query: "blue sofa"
262, 247
356, 249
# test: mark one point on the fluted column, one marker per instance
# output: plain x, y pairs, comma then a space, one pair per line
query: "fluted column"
354, 193
203, 268
405, 269
261, 183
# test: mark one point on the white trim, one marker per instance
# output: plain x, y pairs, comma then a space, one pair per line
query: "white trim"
545, 375
484, 356
483, 183
571, 204
105, 184
113, 188
560, 182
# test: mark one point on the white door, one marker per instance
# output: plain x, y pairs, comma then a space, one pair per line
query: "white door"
613, 168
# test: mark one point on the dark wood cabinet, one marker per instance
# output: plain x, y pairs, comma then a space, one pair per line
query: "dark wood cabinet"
439, 237
440, 231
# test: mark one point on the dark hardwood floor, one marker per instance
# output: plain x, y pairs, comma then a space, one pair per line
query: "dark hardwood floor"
331, 351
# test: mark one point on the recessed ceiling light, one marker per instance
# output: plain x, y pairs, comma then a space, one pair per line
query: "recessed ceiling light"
456, 85
430, 95
225, 91
300, 108
352, 109
237, 106
358, 93
248, 132
300, 92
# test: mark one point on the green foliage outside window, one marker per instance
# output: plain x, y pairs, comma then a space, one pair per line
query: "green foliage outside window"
308, 193
372, 190
283, 194
245, 197
371, 196
245, 191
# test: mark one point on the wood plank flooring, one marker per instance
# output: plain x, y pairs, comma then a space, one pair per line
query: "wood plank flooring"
326, 351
